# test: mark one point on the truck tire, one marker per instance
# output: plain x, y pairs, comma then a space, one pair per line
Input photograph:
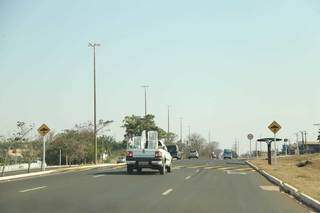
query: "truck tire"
163, 168
129, 170
169, 169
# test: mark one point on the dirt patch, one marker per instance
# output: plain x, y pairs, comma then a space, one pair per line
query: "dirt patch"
306, 179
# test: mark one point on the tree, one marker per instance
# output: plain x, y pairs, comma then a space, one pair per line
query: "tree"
109, 145
31, 151
134, 125
196, 141
13, 143
4, 157
106, 144
76, 146
170, 138
208, 148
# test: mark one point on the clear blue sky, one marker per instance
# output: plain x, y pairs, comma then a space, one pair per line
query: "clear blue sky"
229, 66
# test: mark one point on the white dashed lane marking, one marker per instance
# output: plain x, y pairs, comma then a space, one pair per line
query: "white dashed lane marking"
167, 192
188, 177
33, 189
96, 176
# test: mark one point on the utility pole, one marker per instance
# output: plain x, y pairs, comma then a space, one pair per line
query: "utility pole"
298, 150
168, 119
145, 98
305, 139
181, 129
302, 140
189, 135
209, 136
94, 45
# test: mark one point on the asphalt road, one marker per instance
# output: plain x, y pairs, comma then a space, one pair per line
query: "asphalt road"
193, 186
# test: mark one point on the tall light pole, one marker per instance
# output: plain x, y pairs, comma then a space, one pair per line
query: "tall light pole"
189, 127
318, 125
168, 119
181, 129
94, 45
145, 98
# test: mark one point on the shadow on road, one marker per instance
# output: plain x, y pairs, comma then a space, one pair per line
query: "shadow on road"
143, 173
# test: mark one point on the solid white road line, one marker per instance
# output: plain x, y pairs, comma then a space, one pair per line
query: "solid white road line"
28, 190
167, 192
188, 177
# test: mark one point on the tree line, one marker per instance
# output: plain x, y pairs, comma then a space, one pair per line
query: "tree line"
76, 144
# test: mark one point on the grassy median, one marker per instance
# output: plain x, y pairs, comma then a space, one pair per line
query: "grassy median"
306, 178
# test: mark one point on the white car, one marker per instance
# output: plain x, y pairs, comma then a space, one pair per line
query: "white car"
193, 154
151, 153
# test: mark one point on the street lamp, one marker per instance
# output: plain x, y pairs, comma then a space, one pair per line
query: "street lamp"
318, 138
181, 129
168, 119
145, 98
94, 45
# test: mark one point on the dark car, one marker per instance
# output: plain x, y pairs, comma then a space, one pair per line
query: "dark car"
174, 151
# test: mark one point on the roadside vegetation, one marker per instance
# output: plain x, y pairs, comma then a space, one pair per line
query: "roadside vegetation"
302, 172
76, 144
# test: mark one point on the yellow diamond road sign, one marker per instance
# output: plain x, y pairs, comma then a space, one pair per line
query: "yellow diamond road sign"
274, 127
43, 130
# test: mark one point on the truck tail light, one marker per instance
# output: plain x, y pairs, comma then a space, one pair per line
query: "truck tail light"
129, 154
158, 155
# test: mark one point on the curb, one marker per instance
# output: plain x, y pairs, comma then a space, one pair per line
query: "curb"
56, 171
12, 177
306, 199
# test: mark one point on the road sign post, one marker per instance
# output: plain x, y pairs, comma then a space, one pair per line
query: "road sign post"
275, 127
43, 131
250, 137
256, 149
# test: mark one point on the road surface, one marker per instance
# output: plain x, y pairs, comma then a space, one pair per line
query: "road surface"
193, 186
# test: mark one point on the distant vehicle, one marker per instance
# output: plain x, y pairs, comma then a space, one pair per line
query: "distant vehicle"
150, 153
213, 155
193, 154
121, 159
227, 154
174, 151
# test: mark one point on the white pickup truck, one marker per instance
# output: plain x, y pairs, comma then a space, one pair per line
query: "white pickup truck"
151, 153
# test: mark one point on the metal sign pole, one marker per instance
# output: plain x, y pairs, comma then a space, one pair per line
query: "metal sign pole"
256, 149
250, 150
43, 154
275, 149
